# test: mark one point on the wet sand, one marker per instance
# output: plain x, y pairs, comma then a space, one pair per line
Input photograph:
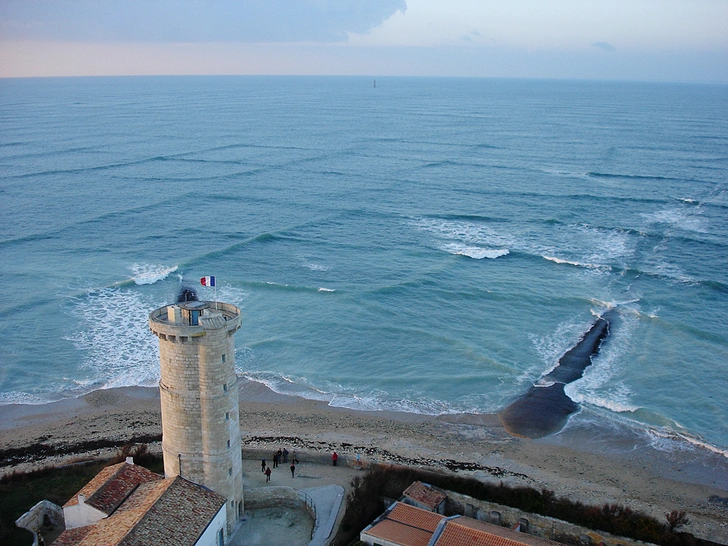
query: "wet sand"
581, 462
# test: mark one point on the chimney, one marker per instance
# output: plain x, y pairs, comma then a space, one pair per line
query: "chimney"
130, 460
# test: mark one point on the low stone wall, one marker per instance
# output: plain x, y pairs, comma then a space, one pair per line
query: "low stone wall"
303, 457
533, 524
276, 496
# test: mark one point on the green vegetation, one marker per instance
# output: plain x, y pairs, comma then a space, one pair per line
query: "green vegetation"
21, 491
365, 503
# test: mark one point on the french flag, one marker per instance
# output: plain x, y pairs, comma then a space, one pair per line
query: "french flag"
208, 281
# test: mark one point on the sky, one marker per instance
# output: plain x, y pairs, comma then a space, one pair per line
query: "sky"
633, 40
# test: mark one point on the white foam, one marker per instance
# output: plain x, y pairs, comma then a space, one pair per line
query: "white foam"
605, 245
670, 440
231, 294
597, 386
326, 290
467, 234
150, 273
311, 265
618, 403
282, 384
340, 397
475, 252
577, 264
382, 403
115, 338
580, 245
17, 397
603, 305
553, 346
666, 270
683, 218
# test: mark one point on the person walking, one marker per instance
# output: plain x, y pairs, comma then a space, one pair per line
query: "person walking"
285, 455
335, 457
262, 463
267, 473
293, 470
275, 460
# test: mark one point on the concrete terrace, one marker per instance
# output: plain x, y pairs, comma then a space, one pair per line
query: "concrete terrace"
274, 515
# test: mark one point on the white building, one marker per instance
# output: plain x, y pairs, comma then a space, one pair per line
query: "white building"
125, 504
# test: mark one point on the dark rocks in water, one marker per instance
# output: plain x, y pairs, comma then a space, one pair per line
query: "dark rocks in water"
545, 408
539, 412
572, 365
186, 294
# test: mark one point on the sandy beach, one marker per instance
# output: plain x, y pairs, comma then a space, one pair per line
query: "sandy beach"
592, 466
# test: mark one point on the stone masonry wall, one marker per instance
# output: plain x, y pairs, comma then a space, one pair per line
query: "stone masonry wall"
541, 526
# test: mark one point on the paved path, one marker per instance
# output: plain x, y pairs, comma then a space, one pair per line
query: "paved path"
328, 500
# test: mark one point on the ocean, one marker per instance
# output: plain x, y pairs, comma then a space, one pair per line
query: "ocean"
429, 245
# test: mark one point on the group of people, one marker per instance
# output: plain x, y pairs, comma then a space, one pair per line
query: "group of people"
280, 457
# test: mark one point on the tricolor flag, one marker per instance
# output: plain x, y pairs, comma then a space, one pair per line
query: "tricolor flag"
208, 281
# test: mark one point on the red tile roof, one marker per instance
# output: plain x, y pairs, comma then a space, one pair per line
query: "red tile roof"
425, 495
180, 516
161, 511
411, 526
462, 531
108, 489
406, 525
415, 517
399, 533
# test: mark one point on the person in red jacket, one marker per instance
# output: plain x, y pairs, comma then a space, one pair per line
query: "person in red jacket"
334, 458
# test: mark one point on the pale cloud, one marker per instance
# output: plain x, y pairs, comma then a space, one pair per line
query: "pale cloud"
663, 40
638, 25
604, 46
191, 20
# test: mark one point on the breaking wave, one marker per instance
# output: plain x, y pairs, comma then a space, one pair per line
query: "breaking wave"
150, 273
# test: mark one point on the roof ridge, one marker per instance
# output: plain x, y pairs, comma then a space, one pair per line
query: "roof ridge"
163, 486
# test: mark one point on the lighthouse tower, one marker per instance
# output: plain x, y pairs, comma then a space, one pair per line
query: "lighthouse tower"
199, 395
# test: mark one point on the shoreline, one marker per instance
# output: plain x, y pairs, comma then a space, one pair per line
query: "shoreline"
594, 465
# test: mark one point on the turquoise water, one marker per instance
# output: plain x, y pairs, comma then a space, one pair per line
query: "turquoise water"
432, 245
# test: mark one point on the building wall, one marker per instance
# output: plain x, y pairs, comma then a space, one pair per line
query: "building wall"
81, 514
199, 402
374, 541
218, 523
541, 526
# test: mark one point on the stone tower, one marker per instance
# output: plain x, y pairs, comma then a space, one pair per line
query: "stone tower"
199, 394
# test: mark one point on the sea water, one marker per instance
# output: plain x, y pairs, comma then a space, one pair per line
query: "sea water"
429, 244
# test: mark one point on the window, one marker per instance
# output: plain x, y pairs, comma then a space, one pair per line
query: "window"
223, 359
230, 471
227, 416
224, 388
220, 537
228, 443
